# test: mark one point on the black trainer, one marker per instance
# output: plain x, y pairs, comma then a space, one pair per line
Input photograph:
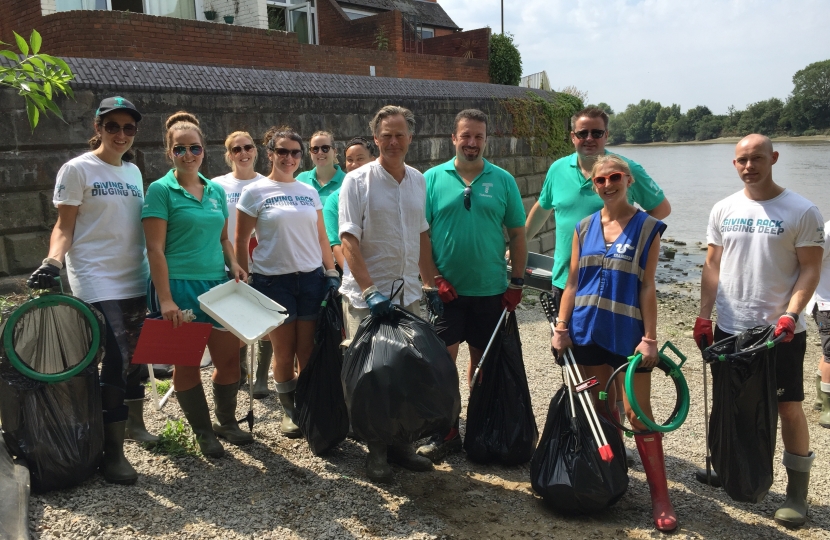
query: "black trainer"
438, 447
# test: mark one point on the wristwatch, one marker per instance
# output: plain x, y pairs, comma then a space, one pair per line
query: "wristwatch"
793, 315
517, 281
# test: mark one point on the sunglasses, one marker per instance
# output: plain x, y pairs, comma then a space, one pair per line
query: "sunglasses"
283, 152
594, 133
195, 149
325, 148
468, 202
612, 178
114, 127
238, 149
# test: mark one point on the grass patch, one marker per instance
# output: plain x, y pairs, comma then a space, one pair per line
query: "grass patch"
161, 385
176, 439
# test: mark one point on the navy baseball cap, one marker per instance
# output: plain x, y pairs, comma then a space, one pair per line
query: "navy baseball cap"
117, 103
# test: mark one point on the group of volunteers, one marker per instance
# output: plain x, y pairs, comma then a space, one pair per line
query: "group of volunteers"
398, 236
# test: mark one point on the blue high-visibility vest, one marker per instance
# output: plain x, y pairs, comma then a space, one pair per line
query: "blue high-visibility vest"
607, 304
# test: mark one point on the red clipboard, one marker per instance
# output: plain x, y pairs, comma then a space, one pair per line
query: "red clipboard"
160, 343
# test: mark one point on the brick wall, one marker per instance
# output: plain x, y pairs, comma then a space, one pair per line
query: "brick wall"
338, 30
458, 44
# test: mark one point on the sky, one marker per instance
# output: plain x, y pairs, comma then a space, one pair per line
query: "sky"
690, 52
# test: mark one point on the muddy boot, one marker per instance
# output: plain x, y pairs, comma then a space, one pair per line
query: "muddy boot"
824, 417
195, 408
263, 361
793, 513
115, 467
650, 448
710, 479
285, 392
243, 366
135, 429
377, 468
224, 407
405, 456
817, 403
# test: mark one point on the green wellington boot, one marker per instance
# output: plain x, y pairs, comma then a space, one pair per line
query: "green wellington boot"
224, 407
136, 430
817, 404
195, 408
793, 513
824, 417
114, 466
263, 361
285, 392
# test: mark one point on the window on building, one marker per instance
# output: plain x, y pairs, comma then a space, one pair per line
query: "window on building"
427, 33
181, 9
357, 14
294, 16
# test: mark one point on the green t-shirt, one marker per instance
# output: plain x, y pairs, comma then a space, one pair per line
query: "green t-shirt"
331, 218
572, 198
468, 245
310, 178
192, 246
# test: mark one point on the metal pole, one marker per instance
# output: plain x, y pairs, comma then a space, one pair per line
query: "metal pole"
502, 17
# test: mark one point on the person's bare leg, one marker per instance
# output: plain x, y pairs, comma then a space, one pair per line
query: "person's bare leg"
304, 342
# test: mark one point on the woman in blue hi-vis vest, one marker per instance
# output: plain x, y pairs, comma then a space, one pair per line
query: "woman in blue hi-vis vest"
609, 309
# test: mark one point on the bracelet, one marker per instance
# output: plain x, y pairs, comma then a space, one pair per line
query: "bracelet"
53, 262
427, 288
563, 321
369, 291
793, 315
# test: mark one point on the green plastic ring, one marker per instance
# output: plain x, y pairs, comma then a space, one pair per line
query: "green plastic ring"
47, 301
679, 415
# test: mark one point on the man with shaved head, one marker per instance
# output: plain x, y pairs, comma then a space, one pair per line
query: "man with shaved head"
762, 266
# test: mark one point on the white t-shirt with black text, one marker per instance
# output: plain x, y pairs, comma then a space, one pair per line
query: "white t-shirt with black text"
108, 258
759, 266
233, 190
286, 226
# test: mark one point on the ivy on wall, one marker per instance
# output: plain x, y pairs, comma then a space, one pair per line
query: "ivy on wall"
545, 123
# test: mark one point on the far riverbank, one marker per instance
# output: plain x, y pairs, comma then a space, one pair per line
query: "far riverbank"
733, 140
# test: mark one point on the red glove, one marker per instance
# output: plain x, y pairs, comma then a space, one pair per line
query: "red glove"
703, 333
512, 297
786, 325
445, 290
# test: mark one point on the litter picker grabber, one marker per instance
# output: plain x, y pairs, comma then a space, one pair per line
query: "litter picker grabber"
252, 350
483, 356
706, 476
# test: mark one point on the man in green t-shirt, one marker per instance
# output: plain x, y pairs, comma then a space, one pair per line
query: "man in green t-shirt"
469, 203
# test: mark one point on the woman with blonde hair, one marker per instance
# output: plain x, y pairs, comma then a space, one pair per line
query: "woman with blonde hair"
609, 310
292, 262
185, 221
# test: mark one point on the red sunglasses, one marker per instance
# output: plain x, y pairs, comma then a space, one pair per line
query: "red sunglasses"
613, 178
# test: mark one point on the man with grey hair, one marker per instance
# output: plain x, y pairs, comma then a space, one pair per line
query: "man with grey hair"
386, 242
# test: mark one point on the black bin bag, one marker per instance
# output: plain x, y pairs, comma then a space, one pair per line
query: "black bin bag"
14, 497
567, 470
399, 381
321, 408
57, 427
744, 420
500, 423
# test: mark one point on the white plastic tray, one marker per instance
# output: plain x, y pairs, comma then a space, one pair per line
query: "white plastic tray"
246, 312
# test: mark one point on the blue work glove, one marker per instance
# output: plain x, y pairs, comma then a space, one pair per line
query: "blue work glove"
44, 277
379, 305
436, 305
332, 280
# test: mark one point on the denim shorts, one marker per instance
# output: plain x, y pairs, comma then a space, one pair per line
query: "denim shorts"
300, 293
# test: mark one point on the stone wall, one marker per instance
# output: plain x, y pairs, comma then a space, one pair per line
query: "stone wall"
30, 161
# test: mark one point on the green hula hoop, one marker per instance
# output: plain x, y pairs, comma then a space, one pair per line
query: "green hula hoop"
667, 365
49, 300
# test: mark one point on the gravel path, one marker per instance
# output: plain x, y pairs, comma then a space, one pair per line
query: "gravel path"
276, 488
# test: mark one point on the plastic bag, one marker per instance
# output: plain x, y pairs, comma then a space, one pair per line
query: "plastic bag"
321, 408
14, 497
500, 422
567, 470
57, 428
744, 421
399, 381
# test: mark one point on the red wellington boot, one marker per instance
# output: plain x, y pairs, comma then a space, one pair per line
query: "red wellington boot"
650, 448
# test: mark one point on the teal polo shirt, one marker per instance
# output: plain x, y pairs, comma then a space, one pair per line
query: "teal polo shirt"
310, 178
468, 245
572, 198
192, 247
331, 218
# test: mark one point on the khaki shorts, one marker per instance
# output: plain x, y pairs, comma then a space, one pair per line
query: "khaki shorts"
353, 317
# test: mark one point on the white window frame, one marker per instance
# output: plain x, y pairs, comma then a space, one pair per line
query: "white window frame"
311, 9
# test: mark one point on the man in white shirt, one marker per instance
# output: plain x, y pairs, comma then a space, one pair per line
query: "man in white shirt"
762, 266
386, 243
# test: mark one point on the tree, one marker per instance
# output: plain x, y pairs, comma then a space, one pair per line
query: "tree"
811, 93
505, 60
666, 118
575, 92
38, 77
641, 118
761, 117
709, 127
605, 107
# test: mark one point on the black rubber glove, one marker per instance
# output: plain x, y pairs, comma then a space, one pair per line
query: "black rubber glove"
435, 302
379, 305
44, 277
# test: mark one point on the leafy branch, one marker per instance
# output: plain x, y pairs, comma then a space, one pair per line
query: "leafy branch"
38, 77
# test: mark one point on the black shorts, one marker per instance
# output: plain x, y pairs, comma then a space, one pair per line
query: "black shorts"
822, 319
789, 365
594, 355
470, 318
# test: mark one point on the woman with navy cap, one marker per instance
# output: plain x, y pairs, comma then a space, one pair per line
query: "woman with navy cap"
98, 236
